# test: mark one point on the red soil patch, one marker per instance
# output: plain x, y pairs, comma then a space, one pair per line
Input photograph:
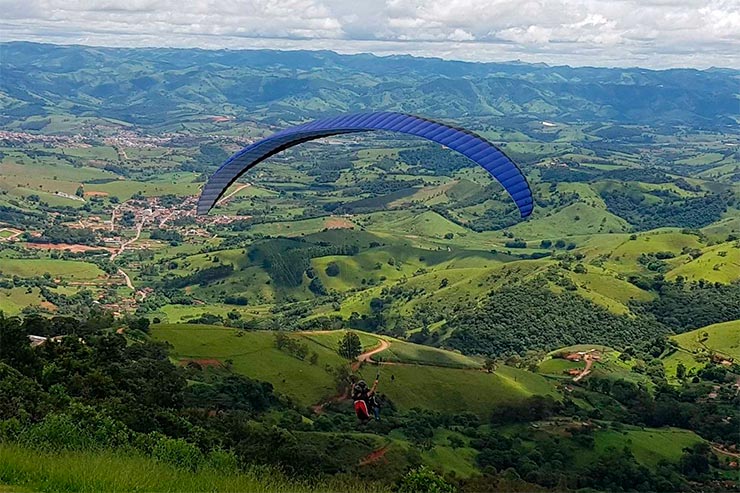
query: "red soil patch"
319, 408
96, 194
66, 246
338, 223
375, 456
47, 305
202, 362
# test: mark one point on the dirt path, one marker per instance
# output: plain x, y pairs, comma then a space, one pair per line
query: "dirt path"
365, 357
590, 358
127, 279
722, 451
238, 189
319, 408
123, 246
375, 456
14, 233
118, 252
589, 363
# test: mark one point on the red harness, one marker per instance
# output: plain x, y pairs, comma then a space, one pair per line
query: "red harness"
361, 410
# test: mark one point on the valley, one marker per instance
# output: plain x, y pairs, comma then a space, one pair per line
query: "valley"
593, 344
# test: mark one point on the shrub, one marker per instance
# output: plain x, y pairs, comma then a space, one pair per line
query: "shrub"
332, 269
425, 480
178, 452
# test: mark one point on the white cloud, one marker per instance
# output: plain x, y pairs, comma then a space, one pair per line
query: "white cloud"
654, 33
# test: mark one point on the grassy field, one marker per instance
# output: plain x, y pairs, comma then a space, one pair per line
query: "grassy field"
254, 354
718, 263
721, 338
63, 269
697, 346
457, 390
576, 219
413, 385
14, 300
403, 352
649, 445
31, 470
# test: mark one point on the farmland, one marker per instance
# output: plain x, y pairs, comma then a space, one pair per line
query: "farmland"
591, 346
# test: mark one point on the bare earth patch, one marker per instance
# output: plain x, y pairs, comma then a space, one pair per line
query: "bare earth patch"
201, 362
74, 248
338, 223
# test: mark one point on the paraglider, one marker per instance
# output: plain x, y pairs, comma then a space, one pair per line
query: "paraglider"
473, 146
365, 400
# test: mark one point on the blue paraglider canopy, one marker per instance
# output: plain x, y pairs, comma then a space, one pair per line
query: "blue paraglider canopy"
473, 146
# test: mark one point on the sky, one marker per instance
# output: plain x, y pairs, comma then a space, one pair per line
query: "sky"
645, 33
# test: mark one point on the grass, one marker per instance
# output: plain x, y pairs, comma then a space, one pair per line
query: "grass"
457, 390
576, 219
115, 471
183, 313
433, 387
14, 300
254, 354
723, 338
404, 352
718, 263
558, 366
64, 269
649, 445
603, 288
624, 257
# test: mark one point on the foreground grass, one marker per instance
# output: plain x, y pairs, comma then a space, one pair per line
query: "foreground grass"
33, 470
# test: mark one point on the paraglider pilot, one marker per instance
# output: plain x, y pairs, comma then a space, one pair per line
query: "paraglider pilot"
365, 399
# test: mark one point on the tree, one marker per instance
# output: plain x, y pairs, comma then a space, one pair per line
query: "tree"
80, 192
695, 461
426, 480
350, 346
332, 269
680, 371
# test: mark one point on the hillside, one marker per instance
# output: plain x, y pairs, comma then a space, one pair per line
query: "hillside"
411, 375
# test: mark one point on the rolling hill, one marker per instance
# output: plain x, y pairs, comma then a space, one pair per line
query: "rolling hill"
421, 376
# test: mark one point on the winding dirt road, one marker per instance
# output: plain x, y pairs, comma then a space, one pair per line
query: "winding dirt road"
367, 357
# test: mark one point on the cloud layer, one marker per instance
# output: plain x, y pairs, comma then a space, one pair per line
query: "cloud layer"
651, 33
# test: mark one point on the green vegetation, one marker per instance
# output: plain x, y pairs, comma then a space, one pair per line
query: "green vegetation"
211, 353
723, 339
112, 471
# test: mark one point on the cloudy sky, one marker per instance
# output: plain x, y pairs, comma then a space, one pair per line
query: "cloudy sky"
649, 33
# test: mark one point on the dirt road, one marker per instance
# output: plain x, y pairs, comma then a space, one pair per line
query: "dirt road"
127, 279
121, 250
367, 357
237, 190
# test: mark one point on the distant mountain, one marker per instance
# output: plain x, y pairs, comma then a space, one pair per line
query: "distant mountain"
155, 86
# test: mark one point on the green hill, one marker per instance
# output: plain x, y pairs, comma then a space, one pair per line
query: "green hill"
422, 376
718, 263
696, 347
